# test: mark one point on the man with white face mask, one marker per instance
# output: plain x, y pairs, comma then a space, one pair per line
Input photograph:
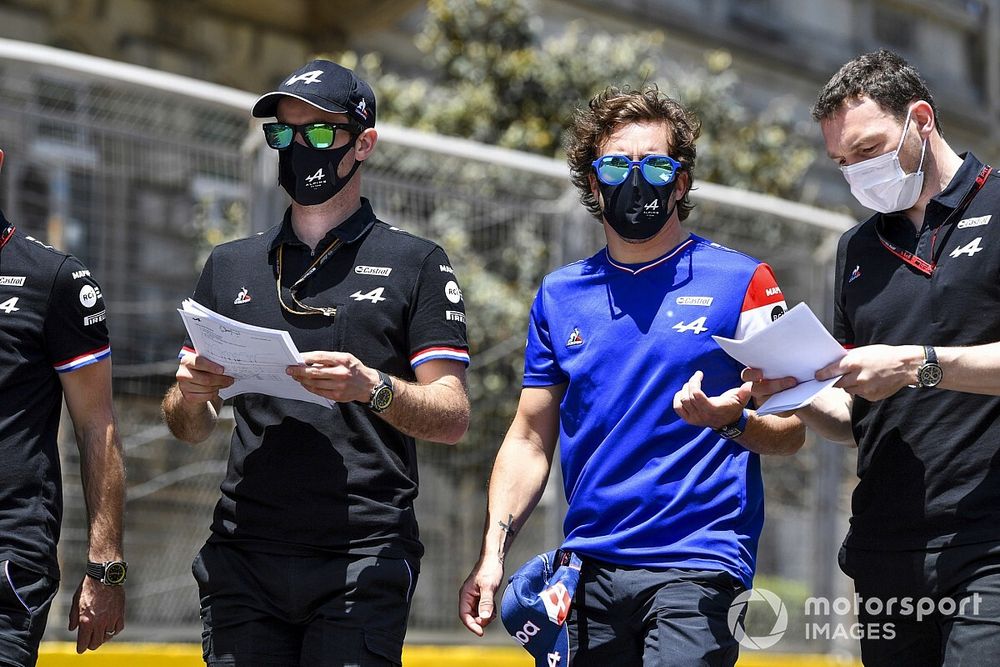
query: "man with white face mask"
918, 307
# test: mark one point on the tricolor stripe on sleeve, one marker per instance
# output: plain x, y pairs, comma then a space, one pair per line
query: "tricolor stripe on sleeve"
82, 360
453, 353
762, 304
186, 350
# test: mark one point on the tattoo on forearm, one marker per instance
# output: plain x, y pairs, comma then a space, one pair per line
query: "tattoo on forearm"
507, 534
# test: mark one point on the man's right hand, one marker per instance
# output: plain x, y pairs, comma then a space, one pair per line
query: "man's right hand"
200, 380
475, 600
763, 389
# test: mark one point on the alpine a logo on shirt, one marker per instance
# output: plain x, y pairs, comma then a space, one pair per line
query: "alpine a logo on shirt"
374, 296
12, 281
372, 270
81, 274
454, 316
242, 297
695, 300
855, 274
574, 338
974, 222
89, 296
553, 659
970, 248
695, 326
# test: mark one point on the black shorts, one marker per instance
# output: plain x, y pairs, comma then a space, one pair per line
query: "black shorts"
266, 610
25, 599
634, 617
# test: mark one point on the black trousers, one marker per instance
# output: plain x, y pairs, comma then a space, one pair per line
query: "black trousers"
266, 610
636, 617
25, 600
945, 605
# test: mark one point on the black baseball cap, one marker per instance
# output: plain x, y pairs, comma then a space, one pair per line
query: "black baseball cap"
327, 86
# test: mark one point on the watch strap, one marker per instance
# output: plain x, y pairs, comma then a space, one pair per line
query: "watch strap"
736, 429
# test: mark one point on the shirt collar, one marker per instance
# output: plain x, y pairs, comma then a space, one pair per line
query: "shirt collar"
349, 231
960, 183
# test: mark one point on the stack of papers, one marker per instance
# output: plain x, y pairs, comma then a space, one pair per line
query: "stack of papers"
795, 345
256, 357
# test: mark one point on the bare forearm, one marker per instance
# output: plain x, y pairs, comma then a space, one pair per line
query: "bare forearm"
438, 411
189, 422
102, 470
829, 415
975, 370
773, 435
518, 480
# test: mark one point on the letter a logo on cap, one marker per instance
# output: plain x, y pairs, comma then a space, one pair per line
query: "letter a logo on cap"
307, 78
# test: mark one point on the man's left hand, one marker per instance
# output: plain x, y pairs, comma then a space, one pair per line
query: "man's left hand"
338, 376
874, 372
698, 409
97, 612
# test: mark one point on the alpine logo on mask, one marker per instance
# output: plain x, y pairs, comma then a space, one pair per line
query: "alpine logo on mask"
317, 179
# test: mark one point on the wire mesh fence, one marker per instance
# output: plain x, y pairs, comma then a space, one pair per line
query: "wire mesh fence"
140, 179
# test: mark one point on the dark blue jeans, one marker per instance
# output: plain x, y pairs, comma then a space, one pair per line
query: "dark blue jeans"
627, 616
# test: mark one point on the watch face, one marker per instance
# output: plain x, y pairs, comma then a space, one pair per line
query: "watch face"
114, 574
382, 399
929, 375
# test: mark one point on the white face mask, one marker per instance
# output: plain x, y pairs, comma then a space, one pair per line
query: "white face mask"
881, 184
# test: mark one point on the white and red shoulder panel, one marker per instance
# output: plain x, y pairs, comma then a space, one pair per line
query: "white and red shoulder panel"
762, 304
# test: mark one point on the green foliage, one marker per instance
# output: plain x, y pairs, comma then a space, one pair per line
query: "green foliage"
495, 76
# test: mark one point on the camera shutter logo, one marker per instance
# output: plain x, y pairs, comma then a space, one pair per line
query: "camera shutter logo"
739, 608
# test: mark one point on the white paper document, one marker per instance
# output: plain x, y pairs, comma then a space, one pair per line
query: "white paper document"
256, 357
795, 345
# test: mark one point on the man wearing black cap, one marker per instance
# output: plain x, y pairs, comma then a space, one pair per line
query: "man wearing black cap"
314, 550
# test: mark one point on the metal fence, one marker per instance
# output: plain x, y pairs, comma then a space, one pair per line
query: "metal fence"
139, 173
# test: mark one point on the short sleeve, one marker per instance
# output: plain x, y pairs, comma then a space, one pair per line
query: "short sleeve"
843, 331
76, 331
203, 294
762, 304
436, 328
541, 368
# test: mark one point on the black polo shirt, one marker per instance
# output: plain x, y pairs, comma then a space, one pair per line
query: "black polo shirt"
928, 459
51, 322
302, 478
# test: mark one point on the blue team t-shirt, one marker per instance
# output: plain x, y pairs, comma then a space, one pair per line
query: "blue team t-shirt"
645, 488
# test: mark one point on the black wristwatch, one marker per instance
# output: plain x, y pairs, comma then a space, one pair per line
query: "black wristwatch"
381, 397
929, 374
109, 573
734, 430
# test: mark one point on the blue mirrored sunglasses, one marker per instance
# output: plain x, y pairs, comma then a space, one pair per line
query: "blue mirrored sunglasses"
656, 169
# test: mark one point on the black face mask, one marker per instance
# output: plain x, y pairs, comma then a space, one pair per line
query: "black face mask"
309, 175
635, 209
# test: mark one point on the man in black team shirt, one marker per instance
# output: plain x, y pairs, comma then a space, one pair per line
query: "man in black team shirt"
917, 302
54, 343
314, 550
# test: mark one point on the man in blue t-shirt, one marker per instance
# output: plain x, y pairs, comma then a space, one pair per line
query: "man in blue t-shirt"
665, 501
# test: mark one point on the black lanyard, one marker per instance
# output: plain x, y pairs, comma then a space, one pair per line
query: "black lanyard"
920, 264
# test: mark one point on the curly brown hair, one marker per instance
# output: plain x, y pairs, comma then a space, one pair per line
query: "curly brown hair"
611, 109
